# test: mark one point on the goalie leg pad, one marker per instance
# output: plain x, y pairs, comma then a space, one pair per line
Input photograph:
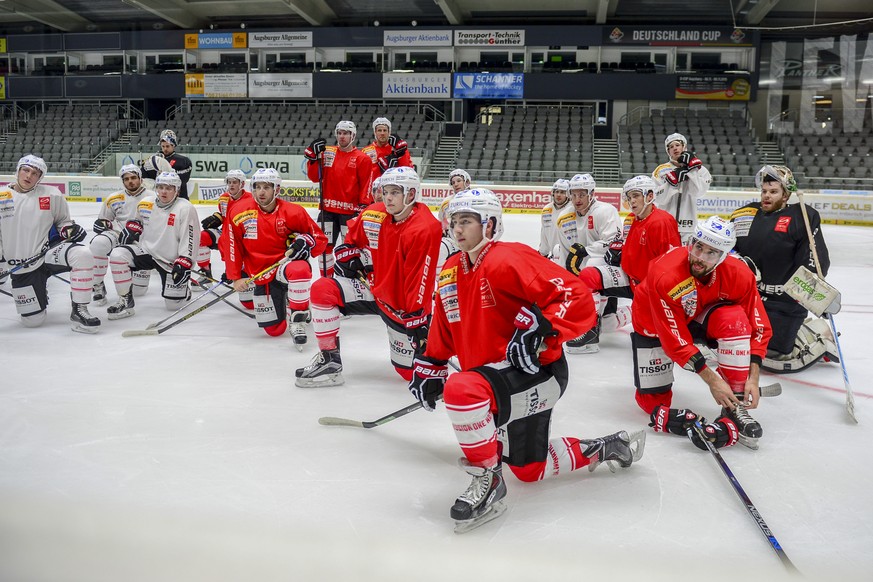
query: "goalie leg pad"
814, 340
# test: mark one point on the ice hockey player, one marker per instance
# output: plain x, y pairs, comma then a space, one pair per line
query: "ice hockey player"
29, 212
264, 230
212, 231
385, 267
114, 213
681, 182
388, 150
164, 237
700, 292
549, 218
500, 403
585, 234
344, 173
171, 161
459, 180
772, 239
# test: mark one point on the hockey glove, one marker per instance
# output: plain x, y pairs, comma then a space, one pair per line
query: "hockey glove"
386, 162
73, 233
299, 247
721, 433
314, 150
214, 220
102, 225
131, 232
613, 253
181, 270
531, 329
351, 262
684, 158
674, 420
752, 266
428, 379
417, 325
576, 259
675, 177
398, 144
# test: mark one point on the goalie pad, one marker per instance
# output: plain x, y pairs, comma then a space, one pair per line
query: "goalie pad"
813, 342
813, 292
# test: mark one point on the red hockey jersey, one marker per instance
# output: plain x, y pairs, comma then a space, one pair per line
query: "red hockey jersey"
374, 151
346, 180
225, 206
645, 240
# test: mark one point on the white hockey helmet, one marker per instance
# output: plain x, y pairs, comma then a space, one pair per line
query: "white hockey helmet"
169, 136
35, 162
459, 172
346, 125
561, 184
235, 174
717, 233
583, 182
644, 183
381, 121
129, 169
376, 189
779, 174
169, 179
269, 175
674, 137
482, 202
407, 179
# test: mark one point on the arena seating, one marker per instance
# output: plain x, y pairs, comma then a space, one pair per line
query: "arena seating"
836, 160
528, 144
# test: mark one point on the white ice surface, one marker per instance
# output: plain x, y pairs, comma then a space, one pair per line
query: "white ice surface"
192, 456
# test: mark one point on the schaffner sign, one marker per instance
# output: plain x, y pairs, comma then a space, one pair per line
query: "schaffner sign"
417, 38
405, 85
678, 36
280, 39
494, 37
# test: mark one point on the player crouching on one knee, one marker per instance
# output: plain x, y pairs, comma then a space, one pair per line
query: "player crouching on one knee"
265, 230
29, 213
164, 237
386, 268
504, 311
700, 292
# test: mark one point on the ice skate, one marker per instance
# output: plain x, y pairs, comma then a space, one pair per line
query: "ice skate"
83, 322
749, 428
204, 281
324, 370
297, 327
483, 499
587, 343
98, 294
616, 450
123, 308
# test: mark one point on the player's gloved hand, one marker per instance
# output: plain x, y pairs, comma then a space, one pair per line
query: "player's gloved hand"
314, 150
684, 158
102, 225
721, 433
531, 330
674, 420
181, 270
212, 221
351, 262
694, 162
576, 258
398, 144
386, 162
613, 253
299, 247
675, 177
752, 266
73, 233
130, 233
428, 379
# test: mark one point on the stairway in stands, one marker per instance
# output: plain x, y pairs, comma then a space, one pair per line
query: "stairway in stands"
770, 153
607, 168
443, 160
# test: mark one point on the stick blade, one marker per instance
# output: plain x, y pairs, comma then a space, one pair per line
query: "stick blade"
770, 390
335, 421
139, 332
850, 406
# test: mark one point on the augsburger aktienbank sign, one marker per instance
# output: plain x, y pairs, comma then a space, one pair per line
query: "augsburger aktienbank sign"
416, 37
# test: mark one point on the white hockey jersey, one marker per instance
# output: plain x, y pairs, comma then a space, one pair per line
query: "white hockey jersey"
26, 221
120, 207
594, 230
681, 200
549, 227
171, 232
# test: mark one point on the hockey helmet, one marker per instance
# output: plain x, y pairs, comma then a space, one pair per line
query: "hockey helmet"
129, 169
381, 121
717, 233
463, 174
35, 162
169, 179
779, 174
269, 175
482, 202
643, 183
407, 179
561, 184
583, 182
235, 175
674, 137
346, 125
169, 136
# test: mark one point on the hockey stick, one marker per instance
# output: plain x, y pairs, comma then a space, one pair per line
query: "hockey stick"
850, 395
27, 262
321, 210
334, 421
183, 308
738, 489
211, 290
160, 330
6, 293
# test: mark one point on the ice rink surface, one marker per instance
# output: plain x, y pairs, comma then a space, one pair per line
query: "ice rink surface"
192, 456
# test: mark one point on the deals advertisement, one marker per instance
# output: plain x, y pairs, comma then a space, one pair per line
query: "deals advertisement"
714, 87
